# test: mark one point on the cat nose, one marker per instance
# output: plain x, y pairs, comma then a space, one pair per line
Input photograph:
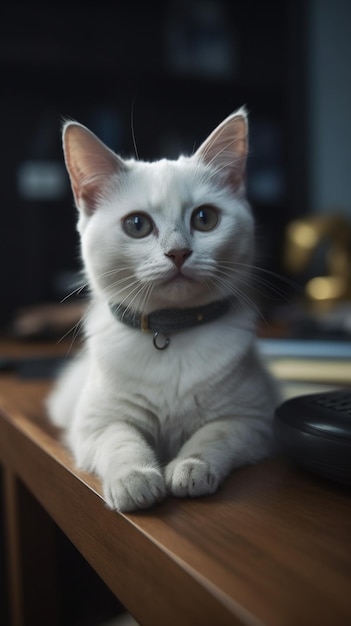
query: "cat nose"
179, 256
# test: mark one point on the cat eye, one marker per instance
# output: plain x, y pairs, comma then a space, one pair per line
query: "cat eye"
138, 225
204, 218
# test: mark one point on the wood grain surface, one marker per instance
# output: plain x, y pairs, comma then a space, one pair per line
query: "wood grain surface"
272, 547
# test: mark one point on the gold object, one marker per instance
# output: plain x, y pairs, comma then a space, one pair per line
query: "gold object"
323, 241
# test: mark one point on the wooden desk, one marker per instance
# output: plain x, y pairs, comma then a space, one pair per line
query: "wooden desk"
272, 547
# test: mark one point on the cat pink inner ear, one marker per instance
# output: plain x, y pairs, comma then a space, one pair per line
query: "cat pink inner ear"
225, 150
90, 165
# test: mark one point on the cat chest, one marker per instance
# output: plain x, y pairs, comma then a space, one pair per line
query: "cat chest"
167, 410
177, 420
177, 389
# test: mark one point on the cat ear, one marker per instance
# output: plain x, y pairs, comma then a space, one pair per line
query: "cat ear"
226, 149
90, 165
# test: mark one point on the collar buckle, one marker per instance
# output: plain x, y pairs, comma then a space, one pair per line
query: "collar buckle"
144, 323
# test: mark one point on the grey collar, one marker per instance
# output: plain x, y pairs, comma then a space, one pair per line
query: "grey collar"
165, 322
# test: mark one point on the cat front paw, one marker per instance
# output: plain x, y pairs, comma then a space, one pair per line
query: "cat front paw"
139, 488
191, 477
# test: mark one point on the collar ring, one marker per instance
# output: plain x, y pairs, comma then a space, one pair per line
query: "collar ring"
157, 344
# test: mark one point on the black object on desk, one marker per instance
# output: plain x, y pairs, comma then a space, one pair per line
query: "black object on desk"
314, 431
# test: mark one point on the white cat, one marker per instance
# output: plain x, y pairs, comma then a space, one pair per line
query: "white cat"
169, 394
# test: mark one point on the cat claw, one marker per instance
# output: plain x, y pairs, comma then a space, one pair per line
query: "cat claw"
190, 477
139, 489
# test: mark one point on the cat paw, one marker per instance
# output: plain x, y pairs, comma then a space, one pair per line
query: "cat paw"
191, 477
140, 488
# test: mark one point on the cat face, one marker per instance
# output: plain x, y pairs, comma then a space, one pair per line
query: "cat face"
164, 234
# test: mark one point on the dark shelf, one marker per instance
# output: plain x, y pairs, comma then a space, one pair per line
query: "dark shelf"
103, 63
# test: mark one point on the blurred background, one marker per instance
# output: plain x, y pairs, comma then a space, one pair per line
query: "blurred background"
174, 69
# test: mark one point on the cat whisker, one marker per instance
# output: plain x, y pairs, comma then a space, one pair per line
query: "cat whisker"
253, 271
240, 295
75, 330
121, 281
116, 270
258, 268
76, 291
147, 296
133, 130
137, 291
207, 282
130, 304
130, 287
